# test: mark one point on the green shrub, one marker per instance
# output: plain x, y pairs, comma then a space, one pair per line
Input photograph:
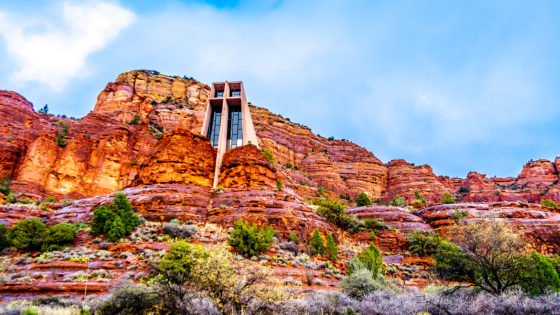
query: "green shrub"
549, 203
335, 212
447, 199
316, 244
459, 215
539, 275
28, 234
423, 243
268, 156
62, 133
58, 236
177, 264
420, 200
135, 120
363, 200
185, 231
398, 201
293, 238
278, 184
50, 199
4, 241
451, 262
464, 190
370, 259
114, 220
358, 284
5, 185
373, 224
331, 251
250, 240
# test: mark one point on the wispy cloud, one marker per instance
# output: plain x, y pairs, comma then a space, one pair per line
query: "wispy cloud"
53, 49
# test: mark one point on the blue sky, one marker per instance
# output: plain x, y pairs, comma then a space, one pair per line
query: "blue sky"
459, 85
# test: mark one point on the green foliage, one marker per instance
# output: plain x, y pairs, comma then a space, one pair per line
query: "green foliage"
268, 156
62, 133
133, 163
451, 262
373, 224
44, 109
278, 184
331, 250
135, 120
4, 241
447, 199
58, 236
464, 190
423, 243
358, 284
28, 234
459, 215
31, 310
539, 274
335, 212
316, 244
50, 199
250, 240
177, 264
420, 200
549, 203
370, 259
398, 201
114, 220
293, 238
363, 200
5, 185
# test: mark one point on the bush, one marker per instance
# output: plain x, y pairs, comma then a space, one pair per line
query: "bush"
293, 238
358, 284
62, 133
423, 243
58, 236
130, 299
331, 250
5, 185
250, 240
115, 220
335, 212
539, 275
447, 199
316, 244
370, 259
4, 241
177, 264
464, 190
363, 200
278, 184
420, 200
50, 199
28, 234
549, 203
268, 156
398, 201
459, 215
185, 231
135, 120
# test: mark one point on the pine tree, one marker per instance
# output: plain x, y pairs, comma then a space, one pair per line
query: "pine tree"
316, 244
363, 200
331, 250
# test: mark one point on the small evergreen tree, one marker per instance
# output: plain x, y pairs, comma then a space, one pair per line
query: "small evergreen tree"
549, 203
44, 109
370, 259
114, 220
398, 201
447, 199
4, 241
363, 200
250, 240
58, 236
316, 244
293, 238
331, 250
28, 234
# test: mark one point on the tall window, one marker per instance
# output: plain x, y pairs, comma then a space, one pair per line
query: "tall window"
219, 93
235, 127
235, 93
214, 126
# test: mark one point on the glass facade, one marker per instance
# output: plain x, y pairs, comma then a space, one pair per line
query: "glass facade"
219, 93
235, 93
235, 127
214, 126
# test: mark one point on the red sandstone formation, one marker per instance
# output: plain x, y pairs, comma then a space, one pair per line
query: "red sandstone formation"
403, 178
539, 226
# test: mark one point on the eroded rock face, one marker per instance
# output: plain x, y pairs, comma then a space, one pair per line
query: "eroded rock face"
538, 226
179, 157
246, 167
539, 173
401, 219
403, 178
